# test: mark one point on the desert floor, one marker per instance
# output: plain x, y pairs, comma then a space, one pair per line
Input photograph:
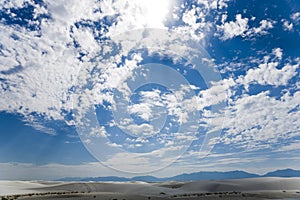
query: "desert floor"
256, 188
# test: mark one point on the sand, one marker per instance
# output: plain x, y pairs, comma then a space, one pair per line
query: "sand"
254, 188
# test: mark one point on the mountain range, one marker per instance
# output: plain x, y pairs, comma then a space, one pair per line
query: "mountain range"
197, 176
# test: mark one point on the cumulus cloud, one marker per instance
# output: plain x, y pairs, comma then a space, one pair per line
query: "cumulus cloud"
265, 25
234, 28
254, 121
240, 27
278, 52
38, 71
195, 23
142, 130
296, 17
148, 101
258, 119
268, 74
41, 83
41, 70
287, 26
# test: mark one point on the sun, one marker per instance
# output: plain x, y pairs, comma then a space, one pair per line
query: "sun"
155, 12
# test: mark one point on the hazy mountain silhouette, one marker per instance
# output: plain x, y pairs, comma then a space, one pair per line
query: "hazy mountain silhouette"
213, 176
283, 173
192, 176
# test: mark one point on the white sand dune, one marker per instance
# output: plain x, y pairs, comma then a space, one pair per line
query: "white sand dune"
124, 188
18, 187
285, 187
244, 185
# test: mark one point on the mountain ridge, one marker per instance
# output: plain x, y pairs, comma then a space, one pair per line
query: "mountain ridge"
195, 176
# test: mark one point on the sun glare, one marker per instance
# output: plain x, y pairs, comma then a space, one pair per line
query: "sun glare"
155, 12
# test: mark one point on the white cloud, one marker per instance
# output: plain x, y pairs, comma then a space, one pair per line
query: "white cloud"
98, 132
217, 94
86, 41
41, 84
287, 26
42, 128
240, 27
253, 121
136, 14
195, 20
256, 119
291, 147
278, 53
39, 71
48, 65
269, 74
150, 107
262, 29
296, 17
142, 130
142, 110
234, 28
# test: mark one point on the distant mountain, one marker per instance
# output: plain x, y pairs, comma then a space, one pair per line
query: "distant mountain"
283, 173
148, 179
197, 176
213, 176
182, 177
97, 179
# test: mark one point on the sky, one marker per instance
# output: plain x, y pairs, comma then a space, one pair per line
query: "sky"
158, 87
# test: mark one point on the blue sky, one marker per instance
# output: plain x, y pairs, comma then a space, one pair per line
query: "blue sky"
155, 87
